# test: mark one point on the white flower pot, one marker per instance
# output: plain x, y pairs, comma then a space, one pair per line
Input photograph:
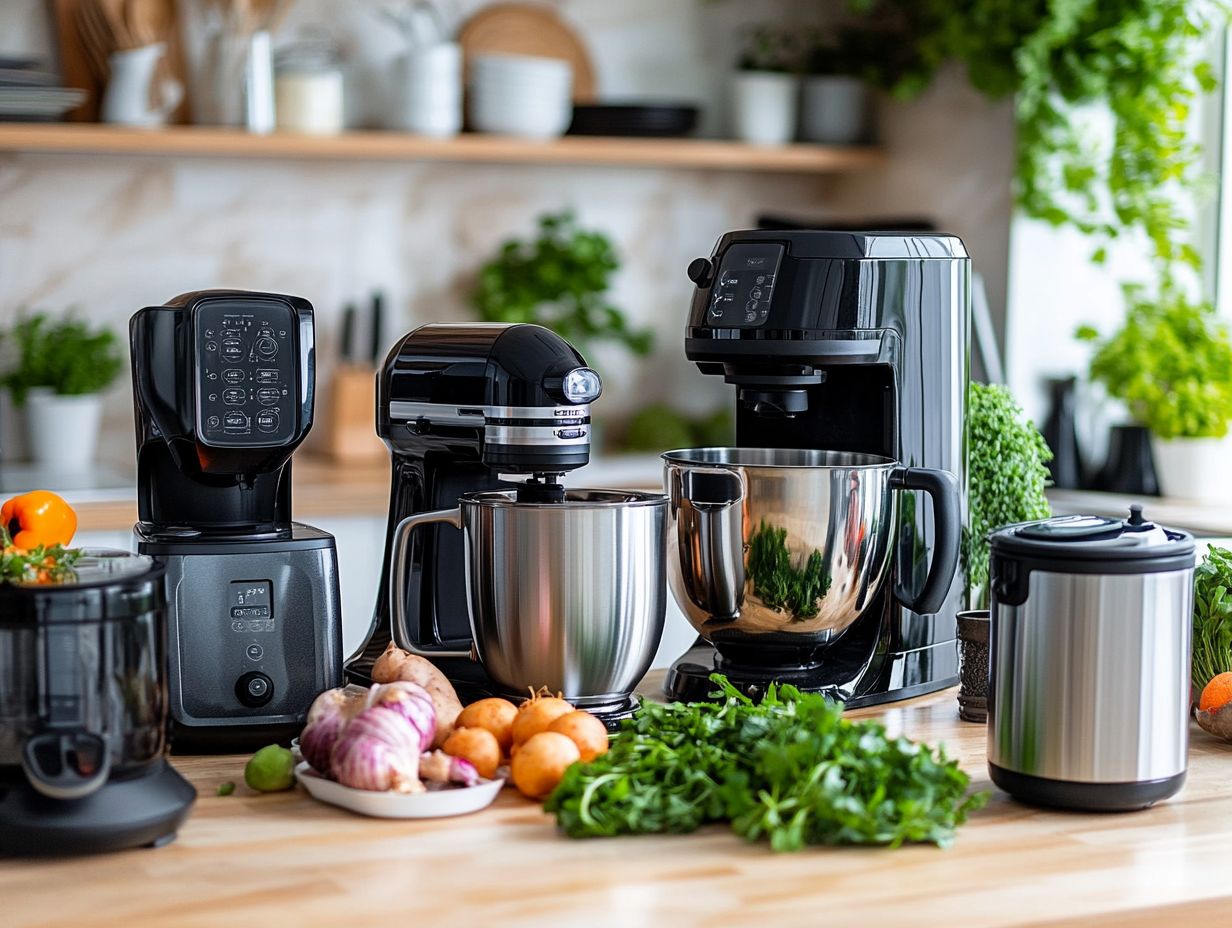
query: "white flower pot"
764, 107
1194, 468
63, 430
12, 429
834, 110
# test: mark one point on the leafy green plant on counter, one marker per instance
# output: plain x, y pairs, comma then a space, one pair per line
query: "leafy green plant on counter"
780, 583
67, 355
789, 769
1212, 618
1006, 476
560, 280
1170, 363
659, 427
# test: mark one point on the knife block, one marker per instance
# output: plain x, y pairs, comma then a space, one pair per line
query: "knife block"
352, 416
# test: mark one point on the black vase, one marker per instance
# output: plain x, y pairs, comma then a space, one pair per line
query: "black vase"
1061, 434
1130, 466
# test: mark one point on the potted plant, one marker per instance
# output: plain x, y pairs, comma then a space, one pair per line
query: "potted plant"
1007, 474
834, 102
58, 372
559, 280
766, 88
1170, 363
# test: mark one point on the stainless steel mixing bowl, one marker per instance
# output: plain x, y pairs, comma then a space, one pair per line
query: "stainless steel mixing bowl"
570, 595
771, 542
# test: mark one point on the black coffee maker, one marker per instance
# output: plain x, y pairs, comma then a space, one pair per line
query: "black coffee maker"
852, 342
461, 407
223, 382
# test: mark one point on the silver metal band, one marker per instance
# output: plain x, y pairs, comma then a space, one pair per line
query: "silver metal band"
452, 414
537, 435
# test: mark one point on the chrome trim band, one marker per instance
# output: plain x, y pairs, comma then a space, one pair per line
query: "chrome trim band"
536, 435
453, 414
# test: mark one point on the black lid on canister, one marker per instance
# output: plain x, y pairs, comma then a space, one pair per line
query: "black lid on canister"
107, 585
1086, 544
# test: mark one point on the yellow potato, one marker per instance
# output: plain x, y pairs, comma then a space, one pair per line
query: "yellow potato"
584, 730
535, 715
478, 745
541, 761
494, 714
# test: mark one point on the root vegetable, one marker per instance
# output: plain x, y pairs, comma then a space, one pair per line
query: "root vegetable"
329, 714
494, 714
397, 664
378, 750
536, 714
439, 767
541, 762
584, 730
477, 745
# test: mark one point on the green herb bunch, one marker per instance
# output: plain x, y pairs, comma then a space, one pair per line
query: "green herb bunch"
1006, 476
1171, 364
1212, 618
559, 280
68, 355
778, 581
39, 565
789, 769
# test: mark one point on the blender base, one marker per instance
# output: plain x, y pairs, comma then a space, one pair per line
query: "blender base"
889, 677
145, 809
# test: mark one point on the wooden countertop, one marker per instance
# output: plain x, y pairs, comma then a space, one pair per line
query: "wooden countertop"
284, 859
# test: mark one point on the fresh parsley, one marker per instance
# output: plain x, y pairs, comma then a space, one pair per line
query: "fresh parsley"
1212, 618
789, 769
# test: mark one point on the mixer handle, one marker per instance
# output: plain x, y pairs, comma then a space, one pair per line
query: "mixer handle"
942, 488
399, 551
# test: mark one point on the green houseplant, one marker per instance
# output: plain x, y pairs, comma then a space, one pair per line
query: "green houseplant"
560, 280
58, 371
766, 86
1006, 477
1171, 364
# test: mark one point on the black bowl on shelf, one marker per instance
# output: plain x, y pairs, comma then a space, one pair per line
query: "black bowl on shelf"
661, 120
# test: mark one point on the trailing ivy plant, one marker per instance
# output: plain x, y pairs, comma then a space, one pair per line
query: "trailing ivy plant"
1007, 477
560, 280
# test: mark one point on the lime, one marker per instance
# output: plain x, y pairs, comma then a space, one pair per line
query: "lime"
272, 768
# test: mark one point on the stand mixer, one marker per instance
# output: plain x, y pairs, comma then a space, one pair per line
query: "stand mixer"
848, 352
224, 383
543, 585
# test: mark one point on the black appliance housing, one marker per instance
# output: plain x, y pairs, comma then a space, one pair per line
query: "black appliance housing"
83, 712
844, 341
223, 383
459, 406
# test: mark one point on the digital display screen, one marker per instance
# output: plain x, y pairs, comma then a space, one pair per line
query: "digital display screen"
251, 605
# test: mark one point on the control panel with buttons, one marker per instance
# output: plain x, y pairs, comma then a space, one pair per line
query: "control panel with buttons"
744, 286
246, 374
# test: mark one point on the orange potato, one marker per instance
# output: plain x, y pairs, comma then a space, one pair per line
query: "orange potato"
584, 730
541, 761
478, 745
494, 714
535, 715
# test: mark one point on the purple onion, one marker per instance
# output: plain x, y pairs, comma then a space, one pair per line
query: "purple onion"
329, 715
378, 750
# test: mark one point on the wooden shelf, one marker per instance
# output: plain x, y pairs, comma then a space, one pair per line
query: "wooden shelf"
211, 141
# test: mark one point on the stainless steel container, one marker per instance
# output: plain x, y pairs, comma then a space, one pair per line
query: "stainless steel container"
791, 546
1089, 684
570, 595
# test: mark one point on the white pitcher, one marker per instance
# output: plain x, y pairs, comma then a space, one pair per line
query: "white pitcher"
133, 97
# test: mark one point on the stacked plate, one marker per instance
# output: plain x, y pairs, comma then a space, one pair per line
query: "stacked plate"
28, 94
520, 95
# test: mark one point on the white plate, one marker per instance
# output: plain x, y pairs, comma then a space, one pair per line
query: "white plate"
437, 803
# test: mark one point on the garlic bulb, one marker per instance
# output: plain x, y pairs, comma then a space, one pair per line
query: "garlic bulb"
439, 767
328, 716
411, 701
378, 750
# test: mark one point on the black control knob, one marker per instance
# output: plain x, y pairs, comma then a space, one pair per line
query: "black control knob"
254, 689
701, 271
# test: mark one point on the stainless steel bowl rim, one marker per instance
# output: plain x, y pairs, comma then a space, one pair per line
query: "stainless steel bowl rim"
575, 498
776, 458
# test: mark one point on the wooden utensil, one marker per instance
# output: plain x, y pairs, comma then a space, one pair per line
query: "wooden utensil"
77, 67
527, 29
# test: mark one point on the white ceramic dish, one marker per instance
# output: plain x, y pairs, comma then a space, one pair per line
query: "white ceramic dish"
439, 803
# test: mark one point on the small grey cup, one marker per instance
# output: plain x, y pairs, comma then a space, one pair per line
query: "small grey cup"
973, 626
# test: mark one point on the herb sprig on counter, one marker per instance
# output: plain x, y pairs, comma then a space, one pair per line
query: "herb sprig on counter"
1212, 618
789, 769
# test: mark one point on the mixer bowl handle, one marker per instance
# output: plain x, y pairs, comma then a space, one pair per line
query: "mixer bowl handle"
942, 488
399, 551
